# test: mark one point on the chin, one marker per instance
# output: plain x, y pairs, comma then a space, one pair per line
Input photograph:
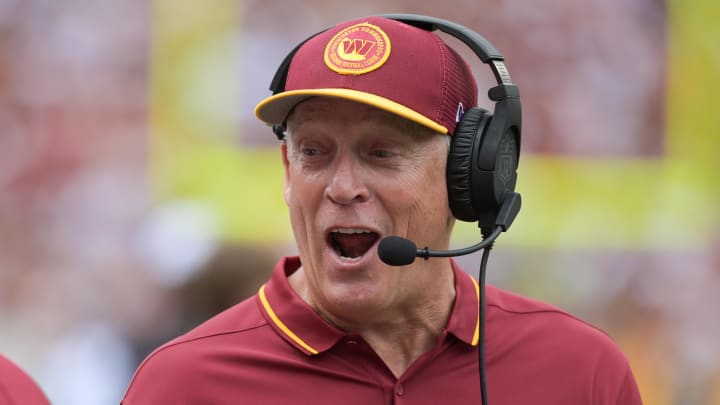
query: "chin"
354, 301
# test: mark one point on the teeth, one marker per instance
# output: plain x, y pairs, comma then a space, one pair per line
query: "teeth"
347, 248
350, 231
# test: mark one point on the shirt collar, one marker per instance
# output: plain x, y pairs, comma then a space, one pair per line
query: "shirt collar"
464, 320
290, 316
295, 321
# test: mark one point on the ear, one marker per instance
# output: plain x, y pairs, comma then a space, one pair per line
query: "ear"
286, 167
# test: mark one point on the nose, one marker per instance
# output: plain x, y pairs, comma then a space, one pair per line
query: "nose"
346, 184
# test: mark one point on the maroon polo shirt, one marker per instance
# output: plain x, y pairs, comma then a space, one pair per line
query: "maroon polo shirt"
17, 388
275, 349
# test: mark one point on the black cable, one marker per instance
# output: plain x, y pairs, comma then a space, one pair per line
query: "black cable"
426, 253
482, 313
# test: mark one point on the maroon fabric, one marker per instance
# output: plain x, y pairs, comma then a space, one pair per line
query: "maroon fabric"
537, 354
17, 388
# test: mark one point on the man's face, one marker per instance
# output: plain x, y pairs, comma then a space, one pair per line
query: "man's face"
353, 175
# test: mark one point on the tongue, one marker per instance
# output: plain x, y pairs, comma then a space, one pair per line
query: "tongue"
353, 245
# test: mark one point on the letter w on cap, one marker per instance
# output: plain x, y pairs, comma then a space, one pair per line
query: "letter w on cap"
355, 49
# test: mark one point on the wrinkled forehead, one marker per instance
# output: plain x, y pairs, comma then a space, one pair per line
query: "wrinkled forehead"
324, 109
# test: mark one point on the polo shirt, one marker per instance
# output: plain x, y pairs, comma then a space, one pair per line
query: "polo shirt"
17, 388
273, 348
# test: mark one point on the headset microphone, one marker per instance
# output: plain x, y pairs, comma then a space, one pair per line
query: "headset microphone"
397, 251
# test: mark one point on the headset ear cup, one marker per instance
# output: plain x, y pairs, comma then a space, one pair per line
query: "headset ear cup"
463, 150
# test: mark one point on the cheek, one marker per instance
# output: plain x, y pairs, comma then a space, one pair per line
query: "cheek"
431, 208
432, 182
303, 194
286, 193
297, 184
426, 191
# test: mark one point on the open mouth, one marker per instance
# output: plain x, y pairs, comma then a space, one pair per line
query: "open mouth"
351, 243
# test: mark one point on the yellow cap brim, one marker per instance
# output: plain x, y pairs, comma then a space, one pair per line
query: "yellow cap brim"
275, 109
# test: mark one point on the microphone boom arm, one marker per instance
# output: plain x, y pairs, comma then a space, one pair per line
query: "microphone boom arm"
426, 253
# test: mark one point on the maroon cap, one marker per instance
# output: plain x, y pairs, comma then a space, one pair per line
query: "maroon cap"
385, 63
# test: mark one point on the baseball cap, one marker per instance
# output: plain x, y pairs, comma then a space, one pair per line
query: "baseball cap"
385, 63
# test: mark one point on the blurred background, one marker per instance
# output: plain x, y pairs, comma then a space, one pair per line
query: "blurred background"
139, 196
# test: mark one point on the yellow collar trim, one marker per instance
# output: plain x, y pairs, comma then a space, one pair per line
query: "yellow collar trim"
476, 334
295, 338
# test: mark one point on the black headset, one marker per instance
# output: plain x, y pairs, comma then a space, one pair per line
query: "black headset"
485, 148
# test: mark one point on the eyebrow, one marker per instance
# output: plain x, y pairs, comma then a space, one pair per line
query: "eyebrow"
384, 118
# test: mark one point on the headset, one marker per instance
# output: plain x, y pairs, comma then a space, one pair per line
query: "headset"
482, 162
485, 148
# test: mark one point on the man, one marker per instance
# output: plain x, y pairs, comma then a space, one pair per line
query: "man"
16, 387
366, 112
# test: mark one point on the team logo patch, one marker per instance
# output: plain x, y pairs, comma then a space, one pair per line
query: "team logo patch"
358, 49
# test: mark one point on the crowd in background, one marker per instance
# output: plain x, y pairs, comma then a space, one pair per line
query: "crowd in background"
96, 271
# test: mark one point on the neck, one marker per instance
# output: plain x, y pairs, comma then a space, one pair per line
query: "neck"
399, 343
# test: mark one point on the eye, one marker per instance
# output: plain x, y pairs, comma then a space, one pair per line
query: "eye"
310, 151
381, 153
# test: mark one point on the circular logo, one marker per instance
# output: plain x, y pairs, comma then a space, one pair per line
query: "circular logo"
357, 49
